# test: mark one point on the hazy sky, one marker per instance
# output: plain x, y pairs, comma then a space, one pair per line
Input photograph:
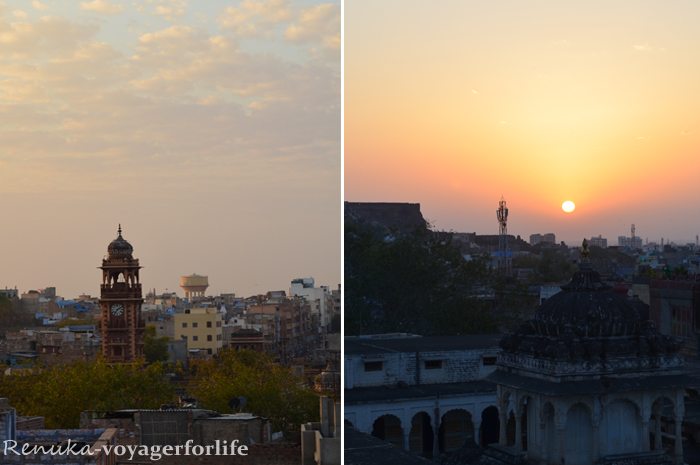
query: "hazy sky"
209, 129
454, 103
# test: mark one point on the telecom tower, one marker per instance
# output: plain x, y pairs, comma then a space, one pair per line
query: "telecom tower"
503, 258
632, 231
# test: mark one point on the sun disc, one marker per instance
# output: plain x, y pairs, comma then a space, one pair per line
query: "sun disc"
568, 206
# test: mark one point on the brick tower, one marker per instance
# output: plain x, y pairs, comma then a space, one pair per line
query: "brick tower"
120, 300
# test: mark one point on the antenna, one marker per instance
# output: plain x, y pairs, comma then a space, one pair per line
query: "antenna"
502, 215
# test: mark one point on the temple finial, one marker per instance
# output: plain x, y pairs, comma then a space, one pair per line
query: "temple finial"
585, 251
120, 229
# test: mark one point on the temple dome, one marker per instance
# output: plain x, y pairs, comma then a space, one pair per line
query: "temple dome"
119, 247
589, 307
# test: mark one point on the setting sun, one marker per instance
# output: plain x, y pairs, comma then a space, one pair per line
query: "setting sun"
568, 206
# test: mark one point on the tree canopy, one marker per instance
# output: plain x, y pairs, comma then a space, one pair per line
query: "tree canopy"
59, 393
271, 391
418, 283
155, 348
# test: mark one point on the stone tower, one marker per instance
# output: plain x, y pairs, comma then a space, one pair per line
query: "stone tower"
120, 300
587, 380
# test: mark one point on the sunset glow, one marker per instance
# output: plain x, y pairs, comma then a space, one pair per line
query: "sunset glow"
453, 106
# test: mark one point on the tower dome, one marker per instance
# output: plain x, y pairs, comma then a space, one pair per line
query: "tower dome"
589, 307
119, 247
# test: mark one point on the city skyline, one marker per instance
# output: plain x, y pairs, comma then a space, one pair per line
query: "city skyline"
544, 102
210, 131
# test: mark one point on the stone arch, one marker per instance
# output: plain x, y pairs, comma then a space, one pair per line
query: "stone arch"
656, 424
660, 401
490, 426
620, 428
420, 436
388, 428
579, 434
455, 426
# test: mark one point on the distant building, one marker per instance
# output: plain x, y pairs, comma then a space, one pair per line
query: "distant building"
201, 328
537, 238
10, 293
599, 241
319, 298
631, 242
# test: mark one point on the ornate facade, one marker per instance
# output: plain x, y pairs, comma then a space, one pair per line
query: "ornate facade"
587, 380
120, 300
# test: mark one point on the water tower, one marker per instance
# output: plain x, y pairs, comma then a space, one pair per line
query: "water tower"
194, 285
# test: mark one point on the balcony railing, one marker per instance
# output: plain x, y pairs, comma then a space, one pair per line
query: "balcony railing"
121, 290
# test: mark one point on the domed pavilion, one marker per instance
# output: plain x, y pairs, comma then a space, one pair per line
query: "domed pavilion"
587, 380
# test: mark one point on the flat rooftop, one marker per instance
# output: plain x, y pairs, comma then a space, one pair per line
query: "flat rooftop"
362, 345
431, 391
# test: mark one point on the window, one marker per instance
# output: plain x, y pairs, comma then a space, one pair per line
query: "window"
195, 338
209, 351
209, 338
433, 364
195, 324
489, 361
184, 325
183, 337
208, 324
373, 366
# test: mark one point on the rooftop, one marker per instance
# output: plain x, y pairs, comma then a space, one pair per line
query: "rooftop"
355, 345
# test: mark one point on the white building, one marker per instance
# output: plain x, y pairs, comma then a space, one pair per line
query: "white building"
422, 394
634, 242
537, 238
318, 297
599, 241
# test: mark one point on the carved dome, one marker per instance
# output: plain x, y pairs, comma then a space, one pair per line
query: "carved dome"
119, 247
588, 305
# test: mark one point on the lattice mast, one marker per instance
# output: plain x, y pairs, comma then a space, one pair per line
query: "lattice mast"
503, 258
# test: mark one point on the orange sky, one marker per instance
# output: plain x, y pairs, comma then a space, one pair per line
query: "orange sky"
454, 104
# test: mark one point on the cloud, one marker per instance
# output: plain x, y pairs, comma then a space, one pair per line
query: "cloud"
19, 14
685, 132
474, 91
319, 24
49, 35
642, 48
169, 10
252, 18
103, 7
39, 6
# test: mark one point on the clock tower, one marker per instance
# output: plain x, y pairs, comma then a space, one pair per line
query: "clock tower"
120, 300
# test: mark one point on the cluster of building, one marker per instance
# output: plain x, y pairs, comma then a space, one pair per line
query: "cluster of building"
595, 376
294, 327
289, 325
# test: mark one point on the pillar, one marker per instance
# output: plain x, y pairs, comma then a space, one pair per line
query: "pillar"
645, 435
657, 430
502, 439
678, 452
406, 442
544, 444
477, 427
436, 431
561, 427
596, 438
518, 431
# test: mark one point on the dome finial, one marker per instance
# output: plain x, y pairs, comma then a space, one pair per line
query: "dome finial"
120, 229
585, 251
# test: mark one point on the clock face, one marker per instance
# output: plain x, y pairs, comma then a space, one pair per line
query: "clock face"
117, 309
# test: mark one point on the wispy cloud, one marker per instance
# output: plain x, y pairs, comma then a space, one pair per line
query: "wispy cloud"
103, 7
